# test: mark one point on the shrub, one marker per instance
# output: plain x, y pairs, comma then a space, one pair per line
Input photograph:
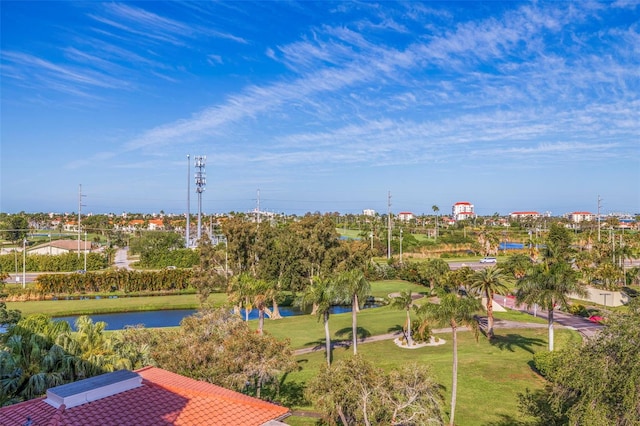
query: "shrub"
545, 362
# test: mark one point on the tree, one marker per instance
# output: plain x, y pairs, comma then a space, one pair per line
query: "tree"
405, 301
549, 284
261, 293
240, 293
358, 393
433, 272
517, 265
436, 209
210, 274
321, 295
354, 288
488, 282
15, 228
453, 311
597, 383
218, 347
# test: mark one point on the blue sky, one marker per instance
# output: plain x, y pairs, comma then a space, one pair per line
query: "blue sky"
321, 106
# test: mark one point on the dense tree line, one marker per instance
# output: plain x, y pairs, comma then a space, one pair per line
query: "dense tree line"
121, 280
158, 249
45, 263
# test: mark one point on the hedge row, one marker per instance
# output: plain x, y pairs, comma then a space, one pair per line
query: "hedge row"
48, 263
119, 280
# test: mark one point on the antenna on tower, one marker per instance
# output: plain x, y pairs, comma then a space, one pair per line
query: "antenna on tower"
201, 182
186, 236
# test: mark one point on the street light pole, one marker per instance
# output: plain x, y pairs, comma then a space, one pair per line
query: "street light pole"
24, 263
85, 250
401, 246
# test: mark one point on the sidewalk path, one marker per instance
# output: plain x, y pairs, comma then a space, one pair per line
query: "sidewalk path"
390, 336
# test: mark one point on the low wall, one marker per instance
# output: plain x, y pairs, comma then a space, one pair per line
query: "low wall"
604, 297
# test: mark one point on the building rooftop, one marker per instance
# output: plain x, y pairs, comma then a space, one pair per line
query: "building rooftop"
149, 396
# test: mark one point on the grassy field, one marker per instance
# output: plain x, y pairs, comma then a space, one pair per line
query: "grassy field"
490, 375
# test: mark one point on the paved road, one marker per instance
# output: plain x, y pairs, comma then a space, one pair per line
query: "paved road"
122, 260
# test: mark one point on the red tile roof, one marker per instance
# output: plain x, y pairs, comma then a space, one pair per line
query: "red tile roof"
164, 398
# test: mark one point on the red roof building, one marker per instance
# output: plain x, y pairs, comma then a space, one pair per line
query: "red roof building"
145, 397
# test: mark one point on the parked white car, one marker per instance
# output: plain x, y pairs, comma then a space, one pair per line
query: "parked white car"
488, 260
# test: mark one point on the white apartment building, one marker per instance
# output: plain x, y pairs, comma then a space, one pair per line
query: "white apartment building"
581, 216
462, 210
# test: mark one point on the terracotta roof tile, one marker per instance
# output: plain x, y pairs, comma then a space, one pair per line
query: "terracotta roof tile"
164, 398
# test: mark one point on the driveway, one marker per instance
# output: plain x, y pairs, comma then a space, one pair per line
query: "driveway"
122, 258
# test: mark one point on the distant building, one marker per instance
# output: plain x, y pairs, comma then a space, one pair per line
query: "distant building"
61, 247
369, 212
156, 224
462, 210
522, 215
406, 216
581, 216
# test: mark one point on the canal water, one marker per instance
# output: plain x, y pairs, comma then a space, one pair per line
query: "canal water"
172, 318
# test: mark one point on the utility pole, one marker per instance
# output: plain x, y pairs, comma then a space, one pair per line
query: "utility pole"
85, 250
187, 242
24, 263
79, 215
599, 204
401, 246
389, 225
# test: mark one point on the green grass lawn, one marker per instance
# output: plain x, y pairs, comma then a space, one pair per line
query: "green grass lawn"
490, 375
93, 306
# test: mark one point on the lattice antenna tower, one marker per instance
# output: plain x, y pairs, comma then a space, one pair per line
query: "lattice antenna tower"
201, 182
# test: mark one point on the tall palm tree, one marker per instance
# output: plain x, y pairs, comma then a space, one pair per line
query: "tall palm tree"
354, 288
405, 301
549, 284
453, 311
436, 209
489, 281
321, 294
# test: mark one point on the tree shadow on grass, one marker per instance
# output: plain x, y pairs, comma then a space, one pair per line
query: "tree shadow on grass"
511, 341
361, 333
506, 420
396, 329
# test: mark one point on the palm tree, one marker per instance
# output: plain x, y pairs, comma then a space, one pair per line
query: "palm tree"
321, 294
404, 301
489, 281
453, 311
261, 293
239, 292
436, 209
549, 285
354, 288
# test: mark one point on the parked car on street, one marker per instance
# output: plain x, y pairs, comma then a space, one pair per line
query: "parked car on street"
488, 260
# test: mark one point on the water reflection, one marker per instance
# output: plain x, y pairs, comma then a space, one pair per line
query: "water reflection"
172, 318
